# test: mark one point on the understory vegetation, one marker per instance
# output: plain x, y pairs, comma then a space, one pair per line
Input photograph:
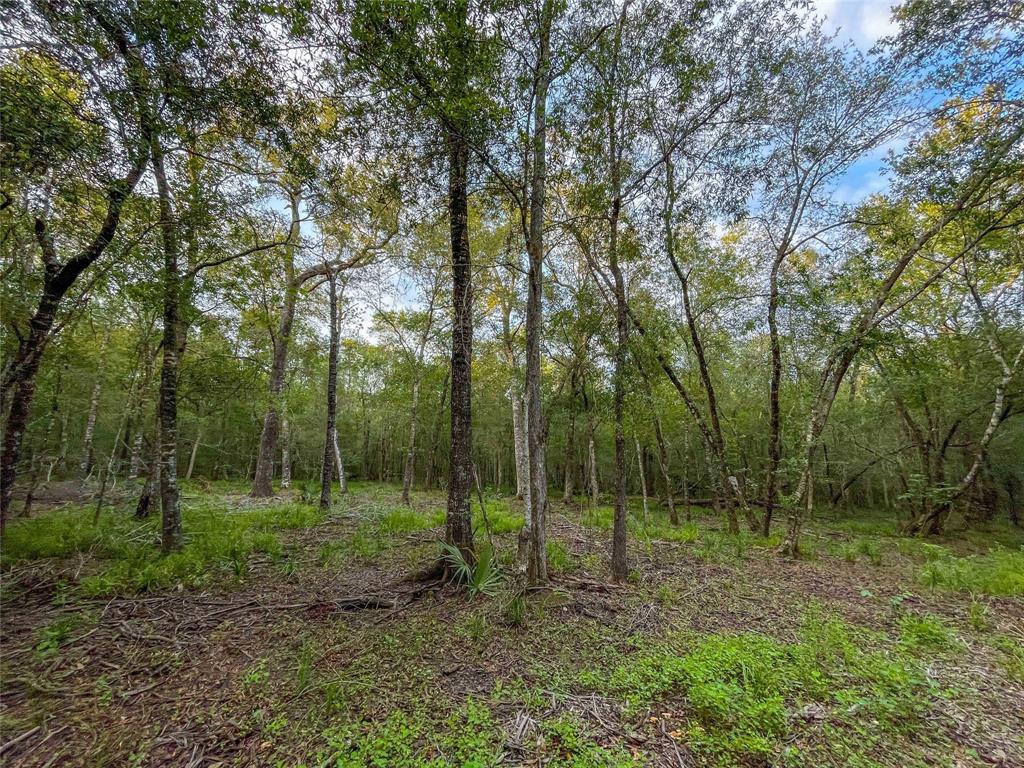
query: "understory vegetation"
536, 383
867, 652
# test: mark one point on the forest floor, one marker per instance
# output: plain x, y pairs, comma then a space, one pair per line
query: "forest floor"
283, 637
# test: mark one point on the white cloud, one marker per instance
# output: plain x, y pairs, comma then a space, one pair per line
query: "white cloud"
863, 21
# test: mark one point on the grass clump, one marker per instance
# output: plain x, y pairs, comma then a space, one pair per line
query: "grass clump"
1000, 572
127, 558
736, 695
401, 520
559, 559
50, 638
468, 737
925, 632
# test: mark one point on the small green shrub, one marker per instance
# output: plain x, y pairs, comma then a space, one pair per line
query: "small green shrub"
218, 540
978, 616
50, 638
870, 550
925, 632
570, 746
401, 520
559, 559
514, 610
479, 578
1000, 572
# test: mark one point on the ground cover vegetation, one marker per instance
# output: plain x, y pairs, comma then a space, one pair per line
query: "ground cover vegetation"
535, 382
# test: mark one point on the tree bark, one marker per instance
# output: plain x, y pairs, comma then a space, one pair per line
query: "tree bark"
520, 447
262, 484
192, 455
774, 415
88, 453
171, 533
592, 463
570, 451
537, 572
673, 516
643, 479
458, 519
286, 459
410, 455
432, 468
19, 384
330, 446
339, 463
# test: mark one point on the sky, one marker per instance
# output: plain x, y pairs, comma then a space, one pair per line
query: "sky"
864, 22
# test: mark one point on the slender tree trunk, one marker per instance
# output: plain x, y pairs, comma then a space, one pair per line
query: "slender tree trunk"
673, 516
192, 455
774, 415
435, 439
520, 446
458, 520
88, 453
152, 485
570, 452
619, 562
643, 479
330, 446
172, 538
537, 572
286, 459
410, 455
19, 382
592, 463
262, 484
339, 464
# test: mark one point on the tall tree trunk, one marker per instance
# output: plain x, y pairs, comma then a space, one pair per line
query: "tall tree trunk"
673, 516
458, 520
619, 563
570, 451
537, 573
592, 464
435, 439
410, 455
330, 446
135, 458
520, 445
774, 415
262, 484
643, 478
286, 459
339, 464
192, 455
88, 453
171, 533
152, 485
19, 383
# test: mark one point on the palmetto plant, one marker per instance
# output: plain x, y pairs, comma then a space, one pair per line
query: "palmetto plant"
480, 577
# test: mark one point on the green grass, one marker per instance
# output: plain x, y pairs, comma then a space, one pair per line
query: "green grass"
999, 572
469, 737
926, 633
733, 696
402, 520
219, 541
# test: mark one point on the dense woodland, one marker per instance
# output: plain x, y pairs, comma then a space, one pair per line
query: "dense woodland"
697, 260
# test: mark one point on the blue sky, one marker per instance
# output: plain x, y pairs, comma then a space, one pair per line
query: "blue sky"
864, 22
